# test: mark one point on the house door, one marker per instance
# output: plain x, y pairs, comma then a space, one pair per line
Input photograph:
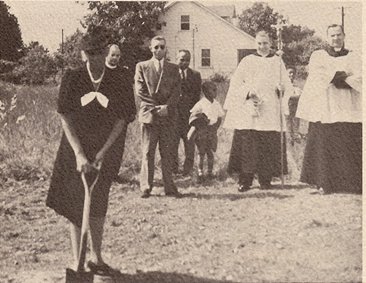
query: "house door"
244, 52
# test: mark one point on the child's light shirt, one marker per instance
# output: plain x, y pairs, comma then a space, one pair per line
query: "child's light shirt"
213, 110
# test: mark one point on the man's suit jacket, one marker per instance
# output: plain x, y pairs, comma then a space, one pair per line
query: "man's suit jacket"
153, 93
190, 94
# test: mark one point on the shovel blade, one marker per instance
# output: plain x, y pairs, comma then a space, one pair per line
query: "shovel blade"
73, 276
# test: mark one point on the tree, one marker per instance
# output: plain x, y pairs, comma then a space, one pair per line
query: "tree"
297, 53
36, 66
11, 42
296, 33
69, 55
129, 24
259, 17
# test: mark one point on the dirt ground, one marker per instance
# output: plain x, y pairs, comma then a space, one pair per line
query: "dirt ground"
213, 234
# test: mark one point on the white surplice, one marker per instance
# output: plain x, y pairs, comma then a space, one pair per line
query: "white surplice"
261, 75
321, 101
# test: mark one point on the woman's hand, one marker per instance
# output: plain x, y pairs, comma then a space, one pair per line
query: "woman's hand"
82, 163
116, 131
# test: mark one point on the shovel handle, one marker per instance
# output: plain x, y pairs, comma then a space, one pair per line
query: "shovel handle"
85, 221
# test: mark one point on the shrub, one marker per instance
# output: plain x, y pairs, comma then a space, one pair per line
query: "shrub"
36, 66
6, 66
219, 78
302, 72
7, 102
6, 72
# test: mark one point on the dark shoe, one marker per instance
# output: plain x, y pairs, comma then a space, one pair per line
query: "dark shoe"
178, 175
186, 173
266, 186
146, 194
200, 177
175, 194
102, 270
243, 189
323, 191
210, 176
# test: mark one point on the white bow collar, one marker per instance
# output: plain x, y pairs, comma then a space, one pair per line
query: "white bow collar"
89, 97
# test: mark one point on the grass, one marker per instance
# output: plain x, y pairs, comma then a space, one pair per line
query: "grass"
28, 147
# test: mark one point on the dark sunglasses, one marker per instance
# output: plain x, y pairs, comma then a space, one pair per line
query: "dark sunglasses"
162, 47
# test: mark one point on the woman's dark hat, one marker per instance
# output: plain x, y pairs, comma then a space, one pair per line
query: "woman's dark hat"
95, 40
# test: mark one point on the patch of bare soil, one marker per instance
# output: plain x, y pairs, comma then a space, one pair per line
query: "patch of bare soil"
213, 234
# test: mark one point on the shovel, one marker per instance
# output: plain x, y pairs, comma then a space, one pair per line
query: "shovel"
80, 275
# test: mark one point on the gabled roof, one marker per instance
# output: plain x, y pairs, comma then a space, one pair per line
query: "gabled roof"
224, 10
171, 4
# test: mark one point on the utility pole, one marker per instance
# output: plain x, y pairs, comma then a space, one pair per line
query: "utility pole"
343, 18
343, 14
62, 51
194, 30
62, 41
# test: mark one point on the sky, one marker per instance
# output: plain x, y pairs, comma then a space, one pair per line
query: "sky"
43, 20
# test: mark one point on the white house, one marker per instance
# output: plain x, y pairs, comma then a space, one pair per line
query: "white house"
210, 34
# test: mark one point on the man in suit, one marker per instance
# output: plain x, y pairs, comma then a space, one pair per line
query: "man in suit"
157, 84
190, 94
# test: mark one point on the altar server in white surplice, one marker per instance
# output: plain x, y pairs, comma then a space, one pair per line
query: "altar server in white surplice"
331, 102
253, 111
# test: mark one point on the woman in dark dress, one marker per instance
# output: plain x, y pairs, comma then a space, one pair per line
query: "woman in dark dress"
93, 113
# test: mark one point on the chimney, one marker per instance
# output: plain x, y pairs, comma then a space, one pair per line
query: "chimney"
236, 22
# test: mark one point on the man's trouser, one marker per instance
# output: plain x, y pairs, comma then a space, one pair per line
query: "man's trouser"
161, 131
189, 148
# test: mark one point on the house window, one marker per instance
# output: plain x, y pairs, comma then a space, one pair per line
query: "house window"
206, 58
184, 22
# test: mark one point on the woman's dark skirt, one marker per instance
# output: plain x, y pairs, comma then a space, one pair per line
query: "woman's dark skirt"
333, 157
66, 193
257, 152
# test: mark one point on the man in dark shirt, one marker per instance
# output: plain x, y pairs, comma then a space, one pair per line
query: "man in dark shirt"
190, 94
